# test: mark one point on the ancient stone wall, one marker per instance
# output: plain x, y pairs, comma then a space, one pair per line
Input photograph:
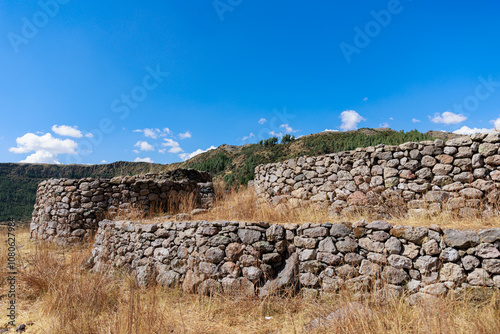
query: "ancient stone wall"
257, 258
460, 175
67, 211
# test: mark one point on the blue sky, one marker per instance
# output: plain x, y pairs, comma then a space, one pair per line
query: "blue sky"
102, 81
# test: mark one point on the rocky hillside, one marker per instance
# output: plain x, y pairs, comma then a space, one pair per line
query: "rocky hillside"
234, 165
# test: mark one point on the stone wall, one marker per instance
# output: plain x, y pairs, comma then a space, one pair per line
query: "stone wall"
258, 258
67, 211
461, 175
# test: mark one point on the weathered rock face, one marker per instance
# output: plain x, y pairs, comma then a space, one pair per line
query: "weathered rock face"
67, 211
461, 175
252, 259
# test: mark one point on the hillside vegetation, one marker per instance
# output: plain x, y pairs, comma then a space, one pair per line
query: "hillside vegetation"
236, 165
233, 164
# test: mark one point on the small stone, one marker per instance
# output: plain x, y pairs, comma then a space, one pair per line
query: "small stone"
411, 250
437, 289
340, 230
394, 276
327, 245
452, 272
210, 287
249, 236
479, 277
398, 261
431, 247
275, 232
449, 254
470, 262
492, 266
308, 279
393, 246
316, 232
252, 273
234, 251
305, 242
487, 251
307, 254
347, 246
460, 239
379, 225
215, 255
427, 264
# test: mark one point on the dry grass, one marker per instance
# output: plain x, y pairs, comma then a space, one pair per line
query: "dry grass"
170, 206
59, 295
242, 205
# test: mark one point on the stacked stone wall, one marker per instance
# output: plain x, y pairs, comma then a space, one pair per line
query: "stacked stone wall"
68, 210
461, 175
256, 259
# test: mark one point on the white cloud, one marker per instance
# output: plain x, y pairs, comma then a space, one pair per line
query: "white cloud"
465, 130
365, 99
496, 124
276, 134
383, 125
162, 150
147, 159
448, 117
67, 131
251, 135
185, 135
350, 120
330, 130
170, 143
174, 146
89, 135
176, 149
136, 151
391, 118
154, 133
104, 162
186, 156
288, 128
144, 146
41, 157
414, 120
262, 120
31, 142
